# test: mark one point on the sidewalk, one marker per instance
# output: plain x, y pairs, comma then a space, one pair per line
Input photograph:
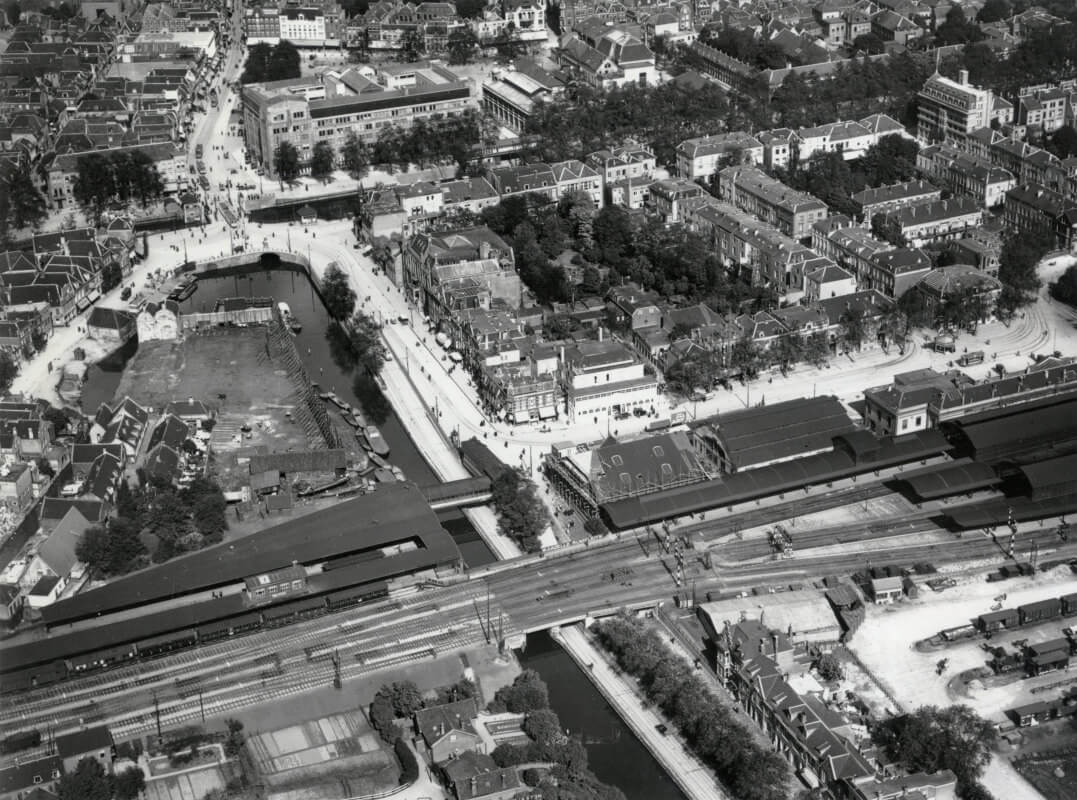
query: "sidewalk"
694, 779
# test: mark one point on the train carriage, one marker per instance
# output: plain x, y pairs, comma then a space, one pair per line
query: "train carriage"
99, 659
1040, 611
166, 643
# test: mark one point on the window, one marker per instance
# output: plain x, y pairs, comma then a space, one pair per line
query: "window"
918, 420
297, 584
904, 424
617, 461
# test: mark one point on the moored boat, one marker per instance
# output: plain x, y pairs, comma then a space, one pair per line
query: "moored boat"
379, 461
377, 441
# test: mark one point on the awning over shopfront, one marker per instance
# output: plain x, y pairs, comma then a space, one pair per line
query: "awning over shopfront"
546, 412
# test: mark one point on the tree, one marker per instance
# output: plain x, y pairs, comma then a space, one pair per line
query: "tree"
745, 358
8, 371
405, 697
337, 293
787, 350
412, 44
521, 514
286, 162
382, 717
87, 782
463, 46
543, 726
869, 43
366, 344
322, 159
354, 155
112, 550
234, 743
111, 276
14, 12
128, 785
25, 205
470, 9
1018, 261
853, 327
1063, 142
257, 65
284, 62
829, 667
994, 11
528, 693
957, 29
932, 739
1065, 288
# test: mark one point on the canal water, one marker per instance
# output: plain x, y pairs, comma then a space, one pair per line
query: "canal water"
616, 756
317, 354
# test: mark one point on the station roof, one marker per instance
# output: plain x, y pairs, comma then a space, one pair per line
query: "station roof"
1000, 435
392, 514
1044, 475
783, 430
992, 513
954, 477
772, 479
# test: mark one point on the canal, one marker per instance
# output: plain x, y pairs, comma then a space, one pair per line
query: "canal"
616, 756
315, 350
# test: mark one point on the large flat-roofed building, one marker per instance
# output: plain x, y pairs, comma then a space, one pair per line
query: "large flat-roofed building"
951, 110
757, 437
604, 378
394, 527
305, 111
512, 96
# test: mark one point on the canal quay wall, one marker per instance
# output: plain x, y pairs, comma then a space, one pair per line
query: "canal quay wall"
399, 389
691, 776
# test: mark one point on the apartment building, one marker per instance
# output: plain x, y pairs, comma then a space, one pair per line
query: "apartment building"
327, 108
1034, 208
870, 202
1044, 108
949, 110
706, 155
466, 269
764, 255
170, 161
790, 211
893, 272
933, 221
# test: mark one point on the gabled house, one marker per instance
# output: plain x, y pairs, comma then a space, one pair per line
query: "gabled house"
448, 729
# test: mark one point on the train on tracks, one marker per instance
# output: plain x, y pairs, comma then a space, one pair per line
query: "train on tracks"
55, 659
1010, 619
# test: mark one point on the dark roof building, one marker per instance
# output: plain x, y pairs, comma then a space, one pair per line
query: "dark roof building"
394, 514
758, 437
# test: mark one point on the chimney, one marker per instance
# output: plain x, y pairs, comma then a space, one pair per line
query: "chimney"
963, 77
600, 333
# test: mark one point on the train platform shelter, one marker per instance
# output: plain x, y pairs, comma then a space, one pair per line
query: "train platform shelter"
996, 513
392, 515
961, 476
994, 438
1051, 478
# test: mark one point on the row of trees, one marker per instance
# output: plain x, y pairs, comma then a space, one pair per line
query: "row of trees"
722, 742
433, 141
118, 175
271, 62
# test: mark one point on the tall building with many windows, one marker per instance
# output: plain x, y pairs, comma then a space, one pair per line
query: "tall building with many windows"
327, 107
949, 110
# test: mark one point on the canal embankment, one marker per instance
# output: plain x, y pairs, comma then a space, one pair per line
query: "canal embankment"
691, 776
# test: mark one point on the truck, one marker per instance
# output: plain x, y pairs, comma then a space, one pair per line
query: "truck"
968, 359
198, 151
